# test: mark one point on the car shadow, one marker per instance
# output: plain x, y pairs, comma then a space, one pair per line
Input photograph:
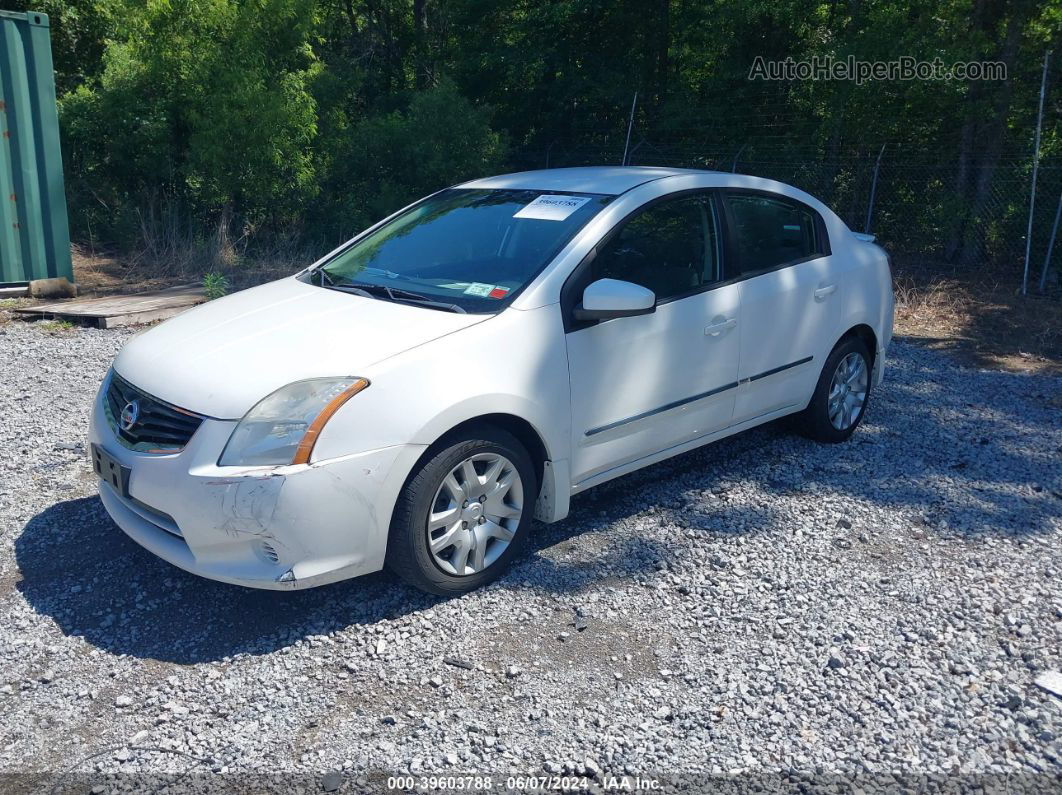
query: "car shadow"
923, 452
80, 569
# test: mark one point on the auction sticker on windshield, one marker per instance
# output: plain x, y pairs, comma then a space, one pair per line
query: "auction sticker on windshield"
551, 207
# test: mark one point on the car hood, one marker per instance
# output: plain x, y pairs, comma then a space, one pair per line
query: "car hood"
222, 357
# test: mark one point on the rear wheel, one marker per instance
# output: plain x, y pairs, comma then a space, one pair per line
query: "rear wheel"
464, 514
841, 395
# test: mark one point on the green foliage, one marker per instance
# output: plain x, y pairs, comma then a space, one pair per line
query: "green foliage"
215, 285
241, 123
384, 161
206, 102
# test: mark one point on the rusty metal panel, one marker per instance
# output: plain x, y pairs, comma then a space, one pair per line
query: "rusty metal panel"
34, 233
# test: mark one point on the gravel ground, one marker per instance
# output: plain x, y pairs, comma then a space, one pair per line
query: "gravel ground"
763, 610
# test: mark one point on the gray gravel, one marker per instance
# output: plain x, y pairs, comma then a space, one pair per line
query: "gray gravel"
765, 607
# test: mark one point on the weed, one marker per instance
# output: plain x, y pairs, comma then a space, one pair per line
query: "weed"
55, 325
215, 285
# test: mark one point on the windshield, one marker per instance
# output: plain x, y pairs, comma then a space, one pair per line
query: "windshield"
463, 250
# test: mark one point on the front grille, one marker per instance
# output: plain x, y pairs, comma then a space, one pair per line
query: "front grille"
157, 427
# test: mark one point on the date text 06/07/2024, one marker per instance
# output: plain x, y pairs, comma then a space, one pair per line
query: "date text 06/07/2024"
474, 783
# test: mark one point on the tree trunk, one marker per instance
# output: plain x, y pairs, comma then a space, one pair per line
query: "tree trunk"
224, 251
962, 187
985, 131
663, 42
423, 66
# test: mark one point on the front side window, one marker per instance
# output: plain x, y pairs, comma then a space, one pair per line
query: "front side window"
464, 250
771, 231
671, 247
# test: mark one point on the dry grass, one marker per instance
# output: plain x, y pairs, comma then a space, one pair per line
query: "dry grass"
172, 249
984, 322
101, 273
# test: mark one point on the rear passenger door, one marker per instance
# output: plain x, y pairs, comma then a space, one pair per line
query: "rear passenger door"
790, 302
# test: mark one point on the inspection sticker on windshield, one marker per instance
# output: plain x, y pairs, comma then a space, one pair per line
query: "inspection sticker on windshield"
552, 207
486, 290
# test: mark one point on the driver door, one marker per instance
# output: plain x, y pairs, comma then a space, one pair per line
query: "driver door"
643, 384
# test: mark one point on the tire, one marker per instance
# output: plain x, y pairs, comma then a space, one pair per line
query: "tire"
817, 421
475, 536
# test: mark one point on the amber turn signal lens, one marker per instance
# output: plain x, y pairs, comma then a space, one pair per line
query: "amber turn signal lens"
305, 448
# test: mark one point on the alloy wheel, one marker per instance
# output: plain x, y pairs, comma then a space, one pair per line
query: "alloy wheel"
848, 391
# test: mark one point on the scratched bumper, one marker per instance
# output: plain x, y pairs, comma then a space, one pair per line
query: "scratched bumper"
280, 528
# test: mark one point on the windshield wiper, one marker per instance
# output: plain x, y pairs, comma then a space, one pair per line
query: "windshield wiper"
405, 296
395, 294
348, 288
331, 284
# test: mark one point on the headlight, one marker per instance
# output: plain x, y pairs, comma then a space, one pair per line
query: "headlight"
283, 427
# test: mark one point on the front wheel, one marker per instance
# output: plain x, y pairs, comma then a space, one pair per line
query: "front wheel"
841, 395
464, 513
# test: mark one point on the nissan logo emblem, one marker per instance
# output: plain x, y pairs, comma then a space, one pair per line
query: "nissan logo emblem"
130, 414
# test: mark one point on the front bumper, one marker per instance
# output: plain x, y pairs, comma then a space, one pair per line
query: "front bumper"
878, 374
279, 528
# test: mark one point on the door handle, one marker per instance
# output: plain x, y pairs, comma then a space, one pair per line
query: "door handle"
824, 291
716, 329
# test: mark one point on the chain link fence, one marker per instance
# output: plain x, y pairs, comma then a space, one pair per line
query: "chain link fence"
924, 211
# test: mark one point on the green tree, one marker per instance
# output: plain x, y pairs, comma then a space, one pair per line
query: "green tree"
204, 105
252, 119
384, 161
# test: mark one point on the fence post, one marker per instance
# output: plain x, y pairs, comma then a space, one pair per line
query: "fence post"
873, 189
733, 166
1032, 189
630, 126
1050, 246
634, 151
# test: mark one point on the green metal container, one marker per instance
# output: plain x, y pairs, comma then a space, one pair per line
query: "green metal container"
34, 233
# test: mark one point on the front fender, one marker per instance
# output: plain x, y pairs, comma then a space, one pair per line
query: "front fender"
516, 363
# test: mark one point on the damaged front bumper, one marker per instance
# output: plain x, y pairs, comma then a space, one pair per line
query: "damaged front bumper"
279, 528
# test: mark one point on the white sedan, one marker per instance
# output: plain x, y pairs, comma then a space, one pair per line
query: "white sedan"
419, 395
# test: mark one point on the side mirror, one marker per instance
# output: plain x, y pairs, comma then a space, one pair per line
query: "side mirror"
609, 298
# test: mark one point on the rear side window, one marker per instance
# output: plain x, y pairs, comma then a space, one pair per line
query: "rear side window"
772, 231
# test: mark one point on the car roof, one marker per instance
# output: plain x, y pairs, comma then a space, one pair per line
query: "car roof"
609, 180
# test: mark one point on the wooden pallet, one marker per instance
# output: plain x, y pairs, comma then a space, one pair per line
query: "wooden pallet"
121, 310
